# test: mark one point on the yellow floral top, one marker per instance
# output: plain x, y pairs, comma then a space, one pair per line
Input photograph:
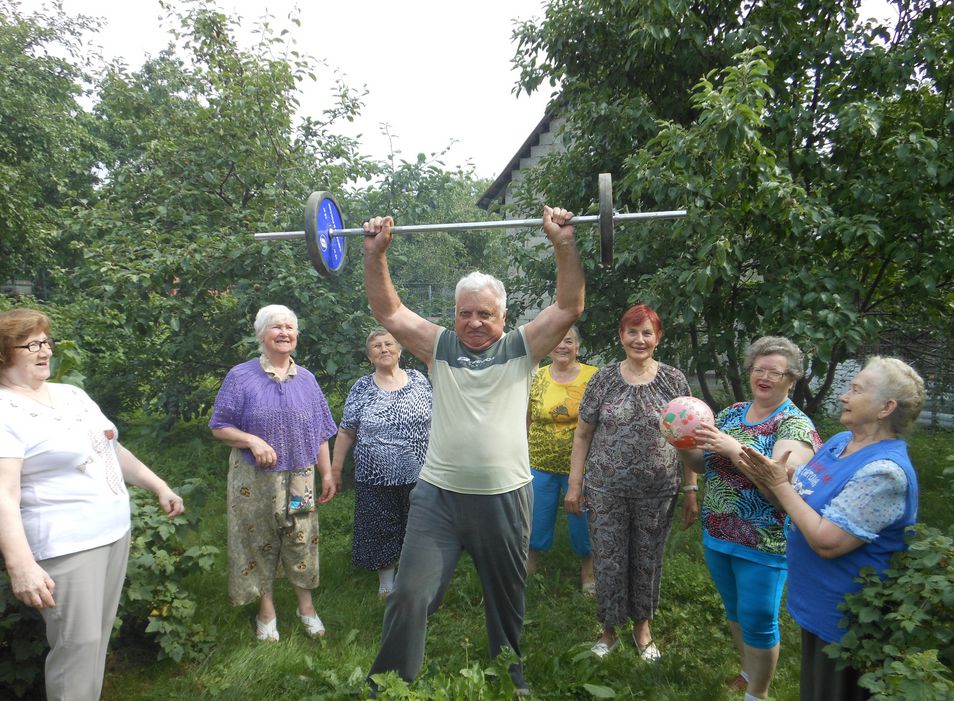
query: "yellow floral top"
554, 408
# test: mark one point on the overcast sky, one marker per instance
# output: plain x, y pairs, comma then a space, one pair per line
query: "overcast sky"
436, 71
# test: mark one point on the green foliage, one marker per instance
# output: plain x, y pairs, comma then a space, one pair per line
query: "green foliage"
427, 268
812, 149
47, 150
901, 633
67, 363
204, 151
22, 645
156, 600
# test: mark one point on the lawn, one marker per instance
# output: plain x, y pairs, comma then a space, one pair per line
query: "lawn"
698, 654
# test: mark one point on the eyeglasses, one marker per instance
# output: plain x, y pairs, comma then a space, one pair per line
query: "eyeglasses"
773, 375
35, 346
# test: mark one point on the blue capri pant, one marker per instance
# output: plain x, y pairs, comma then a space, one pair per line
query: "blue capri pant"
751, 593
548, 487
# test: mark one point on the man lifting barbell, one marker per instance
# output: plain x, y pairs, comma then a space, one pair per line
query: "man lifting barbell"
474, 490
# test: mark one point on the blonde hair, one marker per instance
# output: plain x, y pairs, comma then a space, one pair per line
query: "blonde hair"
899, 381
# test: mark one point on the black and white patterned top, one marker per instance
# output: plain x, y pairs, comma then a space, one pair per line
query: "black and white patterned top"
391, 429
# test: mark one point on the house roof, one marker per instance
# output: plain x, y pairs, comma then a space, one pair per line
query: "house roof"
497, 188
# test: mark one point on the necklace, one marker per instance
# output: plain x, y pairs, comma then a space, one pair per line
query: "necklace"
40, 395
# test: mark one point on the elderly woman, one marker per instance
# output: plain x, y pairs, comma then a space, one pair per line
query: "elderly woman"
848, 508
742, 530
64, 508
274, 415
387, 418
632, 480
551, 422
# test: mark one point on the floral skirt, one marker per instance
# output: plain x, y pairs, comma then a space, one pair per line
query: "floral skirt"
269, 535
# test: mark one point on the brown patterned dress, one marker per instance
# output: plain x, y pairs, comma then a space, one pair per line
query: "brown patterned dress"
631, 483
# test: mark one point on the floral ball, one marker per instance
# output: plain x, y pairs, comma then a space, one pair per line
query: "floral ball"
679, 419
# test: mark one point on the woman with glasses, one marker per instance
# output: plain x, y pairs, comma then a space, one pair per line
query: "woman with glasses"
743, 535
64, 508
848, 509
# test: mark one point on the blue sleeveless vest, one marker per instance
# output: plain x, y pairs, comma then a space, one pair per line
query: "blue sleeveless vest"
816, 586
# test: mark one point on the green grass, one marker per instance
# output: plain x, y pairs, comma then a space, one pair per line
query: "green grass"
698, 654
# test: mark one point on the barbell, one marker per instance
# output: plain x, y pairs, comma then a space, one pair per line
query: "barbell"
326, 236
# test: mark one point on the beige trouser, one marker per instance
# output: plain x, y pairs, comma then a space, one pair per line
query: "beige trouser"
88, 585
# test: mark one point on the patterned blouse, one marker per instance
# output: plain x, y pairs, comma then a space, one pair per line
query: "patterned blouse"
628, 455
734, 512
391, 429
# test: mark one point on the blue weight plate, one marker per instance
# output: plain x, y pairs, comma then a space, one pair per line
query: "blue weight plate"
322, 216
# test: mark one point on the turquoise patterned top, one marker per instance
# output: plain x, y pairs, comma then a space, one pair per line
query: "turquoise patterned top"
736, 518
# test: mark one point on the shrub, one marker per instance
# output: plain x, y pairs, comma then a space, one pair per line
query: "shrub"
901, 634
156, 600
22, 645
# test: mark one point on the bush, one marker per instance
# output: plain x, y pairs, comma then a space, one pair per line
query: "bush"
901, 634
155, 603
155, 600
22, 645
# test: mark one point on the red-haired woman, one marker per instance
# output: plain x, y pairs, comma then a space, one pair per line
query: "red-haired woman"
632, 480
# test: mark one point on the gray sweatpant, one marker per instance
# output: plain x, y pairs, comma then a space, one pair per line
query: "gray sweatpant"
495, 530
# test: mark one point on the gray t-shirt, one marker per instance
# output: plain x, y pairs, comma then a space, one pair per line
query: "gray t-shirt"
478, 433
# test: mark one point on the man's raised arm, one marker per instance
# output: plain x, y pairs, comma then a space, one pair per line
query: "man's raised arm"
550, 325
412, 331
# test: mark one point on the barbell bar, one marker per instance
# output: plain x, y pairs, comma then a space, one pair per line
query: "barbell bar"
325, 234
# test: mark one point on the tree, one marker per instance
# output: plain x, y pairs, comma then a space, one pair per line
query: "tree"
814, 151
47, 151
204, 150
428, 266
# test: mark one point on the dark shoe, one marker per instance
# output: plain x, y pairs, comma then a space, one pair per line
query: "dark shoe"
521, 688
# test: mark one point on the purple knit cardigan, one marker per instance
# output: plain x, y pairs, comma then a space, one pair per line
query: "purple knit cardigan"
291, 416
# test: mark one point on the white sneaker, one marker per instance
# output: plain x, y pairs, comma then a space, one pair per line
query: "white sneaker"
266, 631
312, 624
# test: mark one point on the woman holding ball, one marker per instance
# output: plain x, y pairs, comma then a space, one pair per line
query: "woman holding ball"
743, 535
633, 479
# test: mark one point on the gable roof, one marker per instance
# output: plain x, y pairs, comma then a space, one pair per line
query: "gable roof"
499, 186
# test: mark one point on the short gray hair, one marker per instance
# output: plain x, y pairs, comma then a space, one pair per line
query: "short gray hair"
777, 345
576, 334
379, 331
268, 315
900, 382
477, 282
